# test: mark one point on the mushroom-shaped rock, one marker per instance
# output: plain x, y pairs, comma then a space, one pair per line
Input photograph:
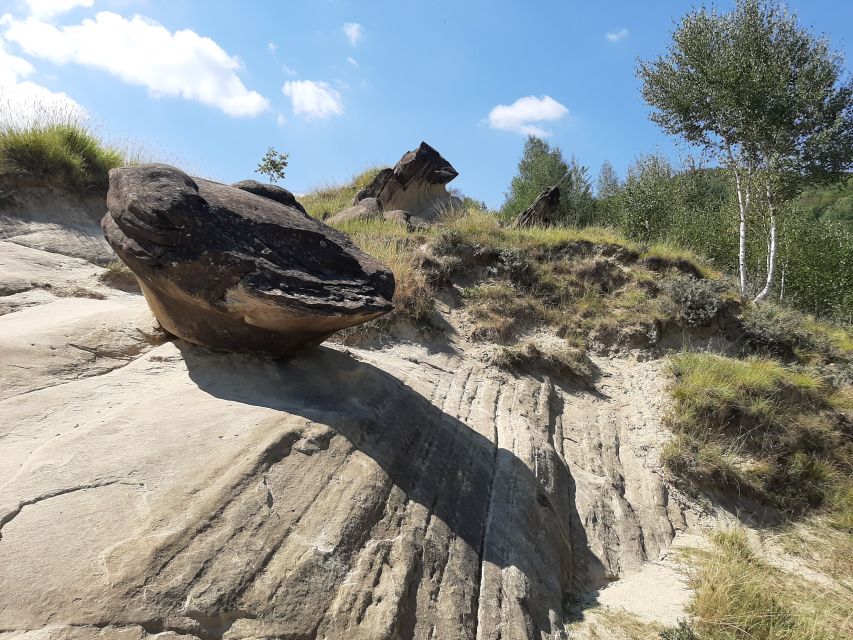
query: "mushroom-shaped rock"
416, 184
230, 270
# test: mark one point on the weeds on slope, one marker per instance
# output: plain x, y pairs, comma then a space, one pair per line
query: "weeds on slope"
739, 596
329, 199
754, 425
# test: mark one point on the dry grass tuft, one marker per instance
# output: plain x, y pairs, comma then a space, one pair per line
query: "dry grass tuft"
739, 596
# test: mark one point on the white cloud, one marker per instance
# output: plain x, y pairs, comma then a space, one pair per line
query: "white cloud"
616, 36
314, 100
142, 52
24, 103
280, 120
353, 61
521, 115
288, 70
273, 47
51, 8
354, 32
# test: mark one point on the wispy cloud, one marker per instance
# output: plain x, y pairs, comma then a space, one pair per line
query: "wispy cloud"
280, 120
24, 102
313, 100
616, 36
354, 32
273, 48
288, 70
143, 52
353, 61
47, 9
523, 114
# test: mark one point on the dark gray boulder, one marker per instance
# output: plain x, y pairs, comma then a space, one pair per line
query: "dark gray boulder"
270, 191
230, 270
541, 211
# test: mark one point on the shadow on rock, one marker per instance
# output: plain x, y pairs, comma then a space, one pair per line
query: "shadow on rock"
524, 548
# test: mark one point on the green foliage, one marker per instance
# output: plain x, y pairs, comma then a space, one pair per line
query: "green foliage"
273, 165
65, 150
768, 98
698, 302
830, 203
759, 427
682, 632
542, 166
608, 184
754, 83
692, 207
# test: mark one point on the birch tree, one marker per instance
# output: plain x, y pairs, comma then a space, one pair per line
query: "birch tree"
766, 97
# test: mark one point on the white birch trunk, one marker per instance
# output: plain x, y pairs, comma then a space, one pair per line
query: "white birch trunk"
743, 206
771, 251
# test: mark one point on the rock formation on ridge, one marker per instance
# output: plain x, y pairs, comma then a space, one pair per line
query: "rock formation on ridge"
540, 212
416, 184
227, 269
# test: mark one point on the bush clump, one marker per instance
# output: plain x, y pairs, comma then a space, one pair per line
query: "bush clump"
780, 433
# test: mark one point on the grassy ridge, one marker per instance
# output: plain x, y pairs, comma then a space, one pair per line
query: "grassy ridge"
56, 145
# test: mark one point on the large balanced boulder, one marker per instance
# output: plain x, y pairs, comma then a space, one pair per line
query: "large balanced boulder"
230, 270
416, 184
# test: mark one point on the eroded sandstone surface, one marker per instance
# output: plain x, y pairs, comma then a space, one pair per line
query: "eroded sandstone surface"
150, 488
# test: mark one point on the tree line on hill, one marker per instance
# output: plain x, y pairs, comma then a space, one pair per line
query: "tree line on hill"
771, 107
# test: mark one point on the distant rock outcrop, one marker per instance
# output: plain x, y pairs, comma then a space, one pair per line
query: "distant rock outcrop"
541, 211
227, 269
270, 191
416, 184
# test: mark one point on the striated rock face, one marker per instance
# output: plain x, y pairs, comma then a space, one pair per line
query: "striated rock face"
227, 269
151, 489
416, 184
541, 211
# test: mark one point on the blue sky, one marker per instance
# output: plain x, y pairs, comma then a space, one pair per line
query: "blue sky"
342, 85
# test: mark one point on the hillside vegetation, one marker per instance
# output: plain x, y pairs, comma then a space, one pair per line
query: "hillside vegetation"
57, 145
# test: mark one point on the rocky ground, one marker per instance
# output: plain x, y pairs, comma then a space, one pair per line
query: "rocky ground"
150, 488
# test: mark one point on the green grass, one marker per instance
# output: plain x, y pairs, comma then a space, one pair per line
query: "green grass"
56, 145
584, 283
327, 200
739, 596
755, 425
